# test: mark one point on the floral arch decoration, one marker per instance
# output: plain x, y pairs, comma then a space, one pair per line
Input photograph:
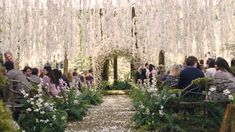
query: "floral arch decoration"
98, 61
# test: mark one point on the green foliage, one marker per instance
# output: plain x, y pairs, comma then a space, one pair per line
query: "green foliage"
91, 97
70, 102
154, 110
121, 85
39, 113
161, 110
48, 122
3, 79
75, 103
6, 121
105, 85
117, 85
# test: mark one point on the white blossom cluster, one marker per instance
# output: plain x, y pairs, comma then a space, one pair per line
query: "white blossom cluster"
227, 93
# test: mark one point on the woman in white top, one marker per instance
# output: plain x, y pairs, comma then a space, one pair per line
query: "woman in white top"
211, 70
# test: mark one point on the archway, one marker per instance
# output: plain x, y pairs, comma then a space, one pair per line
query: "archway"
99, 62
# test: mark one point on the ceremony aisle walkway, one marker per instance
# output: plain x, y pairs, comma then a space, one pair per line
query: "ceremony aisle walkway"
113, 115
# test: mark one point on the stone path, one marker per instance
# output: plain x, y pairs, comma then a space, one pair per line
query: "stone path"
113, 115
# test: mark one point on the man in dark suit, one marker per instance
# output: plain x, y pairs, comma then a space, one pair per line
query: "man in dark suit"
190, 72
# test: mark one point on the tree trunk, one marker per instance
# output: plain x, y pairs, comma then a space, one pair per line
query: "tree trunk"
105, 73
65, 64
161, 58
132, 70
115, 69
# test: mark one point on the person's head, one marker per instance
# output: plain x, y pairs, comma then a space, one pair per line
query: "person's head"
27, 71
201, 62
90, 71
58, 75
210, 63
9, 65
75, 74
191, 61
161, 69
35, 71
8, 56
233, 62
222, 64
146, 65
70, 76
199, 66
151, 67
48, 71
175, 70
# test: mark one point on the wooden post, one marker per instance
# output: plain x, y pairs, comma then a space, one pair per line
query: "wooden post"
115, 68
228, 123
105, 72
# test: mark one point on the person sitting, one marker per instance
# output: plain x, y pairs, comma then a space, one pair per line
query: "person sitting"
210, 65
35, 78
152, 73
173, 77
49, 81
224, 72
16, 75
9, 57
189, 73
27, 72
233, 65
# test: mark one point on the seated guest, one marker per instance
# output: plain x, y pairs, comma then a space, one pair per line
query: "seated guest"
173, 77
189, 73
27, 72
152, 73
49, 81
16, 75
9, 57
210, 65
35, 78
224, 72
233, 65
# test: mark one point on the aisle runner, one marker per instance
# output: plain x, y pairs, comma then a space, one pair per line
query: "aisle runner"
113, 115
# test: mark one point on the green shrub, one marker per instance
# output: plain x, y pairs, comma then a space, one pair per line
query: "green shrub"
39, 113
6, 121
117, 85
91, 97
48, 122
69, 101
160, 110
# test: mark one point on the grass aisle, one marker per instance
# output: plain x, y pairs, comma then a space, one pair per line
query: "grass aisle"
113, 115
